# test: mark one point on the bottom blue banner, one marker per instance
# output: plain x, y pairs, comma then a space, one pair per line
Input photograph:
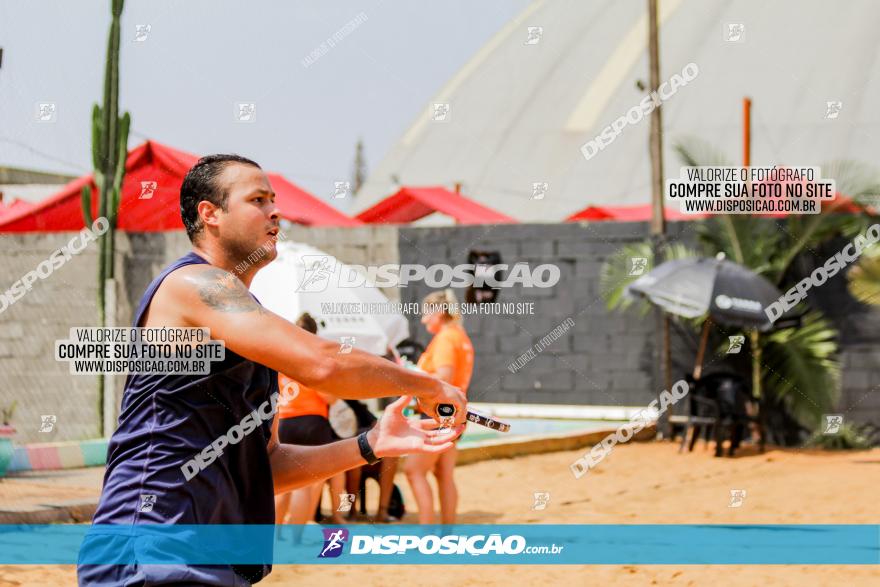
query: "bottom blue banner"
460, 544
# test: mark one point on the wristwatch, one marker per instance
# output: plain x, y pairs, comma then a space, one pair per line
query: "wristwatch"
366, 450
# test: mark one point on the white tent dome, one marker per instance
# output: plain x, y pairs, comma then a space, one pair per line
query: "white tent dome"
519, 112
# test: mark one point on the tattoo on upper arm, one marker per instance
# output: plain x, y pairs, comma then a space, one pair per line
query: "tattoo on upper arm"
224, 292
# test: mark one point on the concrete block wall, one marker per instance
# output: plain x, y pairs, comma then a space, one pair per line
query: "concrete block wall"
603, 359
28, 330
859, 338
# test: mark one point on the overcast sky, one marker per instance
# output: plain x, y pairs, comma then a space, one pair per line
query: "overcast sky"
200, 58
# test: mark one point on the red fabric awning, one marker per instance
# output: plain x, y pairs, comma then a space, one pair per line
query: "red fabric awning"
15, 207
640, 213
150, 200
412, 203
301, 207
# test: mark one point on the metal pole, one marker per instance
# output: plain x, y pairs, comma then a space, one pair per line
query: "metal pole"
747, 131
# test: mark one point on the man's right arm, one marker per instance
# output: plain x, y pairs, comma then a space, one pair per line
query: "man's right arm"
213, 298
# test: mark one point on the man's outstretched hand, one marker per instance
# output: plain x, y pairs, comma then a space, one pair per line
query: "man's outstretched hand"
395, 435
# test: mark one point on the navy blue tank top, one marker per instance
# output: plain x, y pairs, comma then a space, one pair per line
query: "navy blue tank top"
165, 420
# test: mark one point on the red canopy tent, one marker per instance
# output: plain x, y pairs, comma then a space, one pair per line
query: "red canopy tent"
301, 207
150, 199
412, 203
15, 207
640, 213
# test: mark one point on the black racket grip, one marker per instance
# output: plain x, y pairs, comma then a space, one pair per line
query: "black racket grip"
445, 410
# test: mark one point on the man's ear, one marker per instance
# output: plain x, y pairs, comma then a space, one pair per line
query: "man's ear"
208, 213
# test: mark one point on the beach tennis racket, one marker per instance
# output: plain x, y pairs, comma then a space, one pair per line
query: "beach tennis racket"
445, 411
488, 422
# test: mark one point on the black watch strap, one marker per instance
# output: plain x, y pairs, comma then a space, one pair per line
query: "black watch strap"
366, 450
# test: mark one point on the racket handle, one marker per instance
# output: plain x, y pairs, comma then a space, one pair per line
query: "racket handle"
445, 410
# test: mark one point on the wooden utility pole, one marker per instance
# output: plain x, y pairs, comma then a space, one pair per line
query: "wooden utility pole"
754, 335
658, 220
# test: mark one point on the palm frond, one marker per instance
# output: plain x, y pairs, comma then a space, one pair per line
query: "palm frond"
616, 273
864, 277
695, 152
853, 178
802, 370
850, 437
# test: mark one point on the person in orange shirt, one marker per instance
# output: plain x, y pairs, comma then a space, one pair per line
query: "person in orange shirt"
302, 419
450, 357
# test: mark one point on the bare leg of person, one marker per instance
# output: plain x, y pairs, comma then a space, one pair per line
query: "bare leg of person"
337, 486
445, 473
416, 468
282, 505
387, 470
282, 509
303, 502
353, 485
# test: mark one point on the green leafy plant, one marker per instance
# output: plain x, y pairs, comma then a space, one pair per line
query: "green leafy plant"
798, 366
864, 277
801, 367
614, 276
849, 437
6, 412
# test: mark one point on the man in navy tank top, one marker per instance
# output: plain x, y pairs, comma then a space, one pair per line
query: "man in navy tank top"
228, 208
